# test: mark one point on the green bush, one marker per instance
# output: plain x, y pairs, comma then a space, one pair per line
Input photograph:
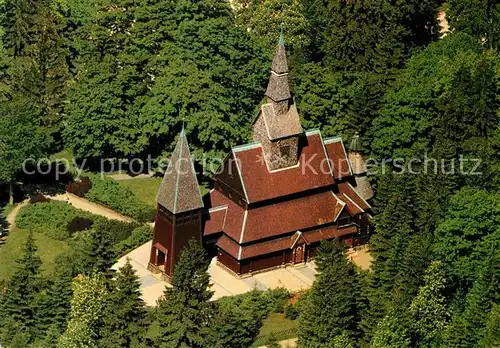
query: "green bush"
291, 311
51, 218
276, 299
118, 230
108, 192
139, 236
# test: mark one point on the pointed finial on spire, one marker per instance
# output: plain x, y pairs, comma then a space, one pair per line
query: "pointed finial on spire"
281, 40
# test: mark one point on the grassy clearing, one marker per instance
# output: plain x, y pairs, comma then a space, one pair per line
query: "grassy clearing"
147, 188
277, 325
48, 250
144, 188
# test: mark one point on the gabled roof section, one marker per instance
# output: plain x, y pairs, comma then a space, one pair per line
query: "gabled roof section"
338, 157
260, 184
349, 191
179, 191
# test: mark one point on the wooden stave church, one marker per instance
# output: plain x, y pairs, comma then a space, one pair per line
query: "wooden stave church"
273, 201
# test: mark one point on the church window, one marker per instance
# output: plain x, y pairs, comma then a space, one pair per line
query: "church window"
285, 151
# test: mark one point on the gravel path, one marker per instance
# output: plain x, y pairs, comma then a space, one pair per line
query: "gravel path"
11, 218
94, 208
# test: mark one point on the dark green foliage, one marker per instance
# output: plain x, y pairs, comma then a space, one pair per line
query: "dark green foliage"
472, 325
415, 116
212, 78
239, 318
124, 314
102, 109
184, 314
98, 256
18, 313
54, 304
52, 218
291, 311
276, 299
38, 70
478, 18
323, 98
109, 192
20, 121
330, 308
117, 230
470, 229
139, 236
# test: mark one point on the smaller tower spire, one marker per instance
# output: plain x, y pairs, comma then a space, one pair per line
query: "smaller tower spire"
359, 169
355, 145
179, 191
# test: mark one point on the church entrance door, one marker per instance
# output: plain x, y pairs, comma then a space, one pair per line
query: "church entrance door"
299, 254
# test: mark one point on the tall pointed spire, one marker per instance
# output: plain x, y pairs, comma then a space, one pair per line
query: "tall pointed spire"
278, 125
179, 191
278, 89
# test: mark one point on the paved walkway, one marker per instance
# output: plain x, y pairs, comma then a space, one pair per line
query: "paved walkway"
223, 282
361, 257
289, 343
94, 208
125, 176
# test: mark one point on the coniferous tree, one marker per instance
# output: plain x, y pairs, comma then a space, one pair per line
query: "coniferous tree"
124, 313
55, 305
492, 332
38, 70
330, 308
471, 327
17, 306
184, 313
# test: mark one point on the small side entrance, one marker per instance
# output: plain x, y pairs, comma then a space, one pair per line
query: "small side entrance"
299, 254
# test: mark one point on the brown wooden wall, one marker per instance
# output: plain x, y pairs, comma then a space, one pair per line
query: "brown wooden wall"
163, 231
173, 232
187, 226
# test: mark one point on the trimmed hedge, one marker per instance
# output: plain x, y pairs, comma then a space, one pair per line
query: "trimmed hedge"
138, 237
110, 193
51, 218
60, 221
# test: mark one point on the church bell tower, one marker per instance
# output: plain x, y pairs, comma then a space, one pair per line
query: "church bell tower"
179, 211
277, 126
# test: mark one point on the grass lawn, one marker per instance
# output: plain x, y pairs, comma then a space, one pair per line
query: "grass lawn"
147, 188
48, 250
276, 324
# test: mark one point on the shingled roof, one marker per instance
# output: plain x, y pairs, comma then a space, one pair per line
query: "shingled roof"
179, 191
280, 64
278, 88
